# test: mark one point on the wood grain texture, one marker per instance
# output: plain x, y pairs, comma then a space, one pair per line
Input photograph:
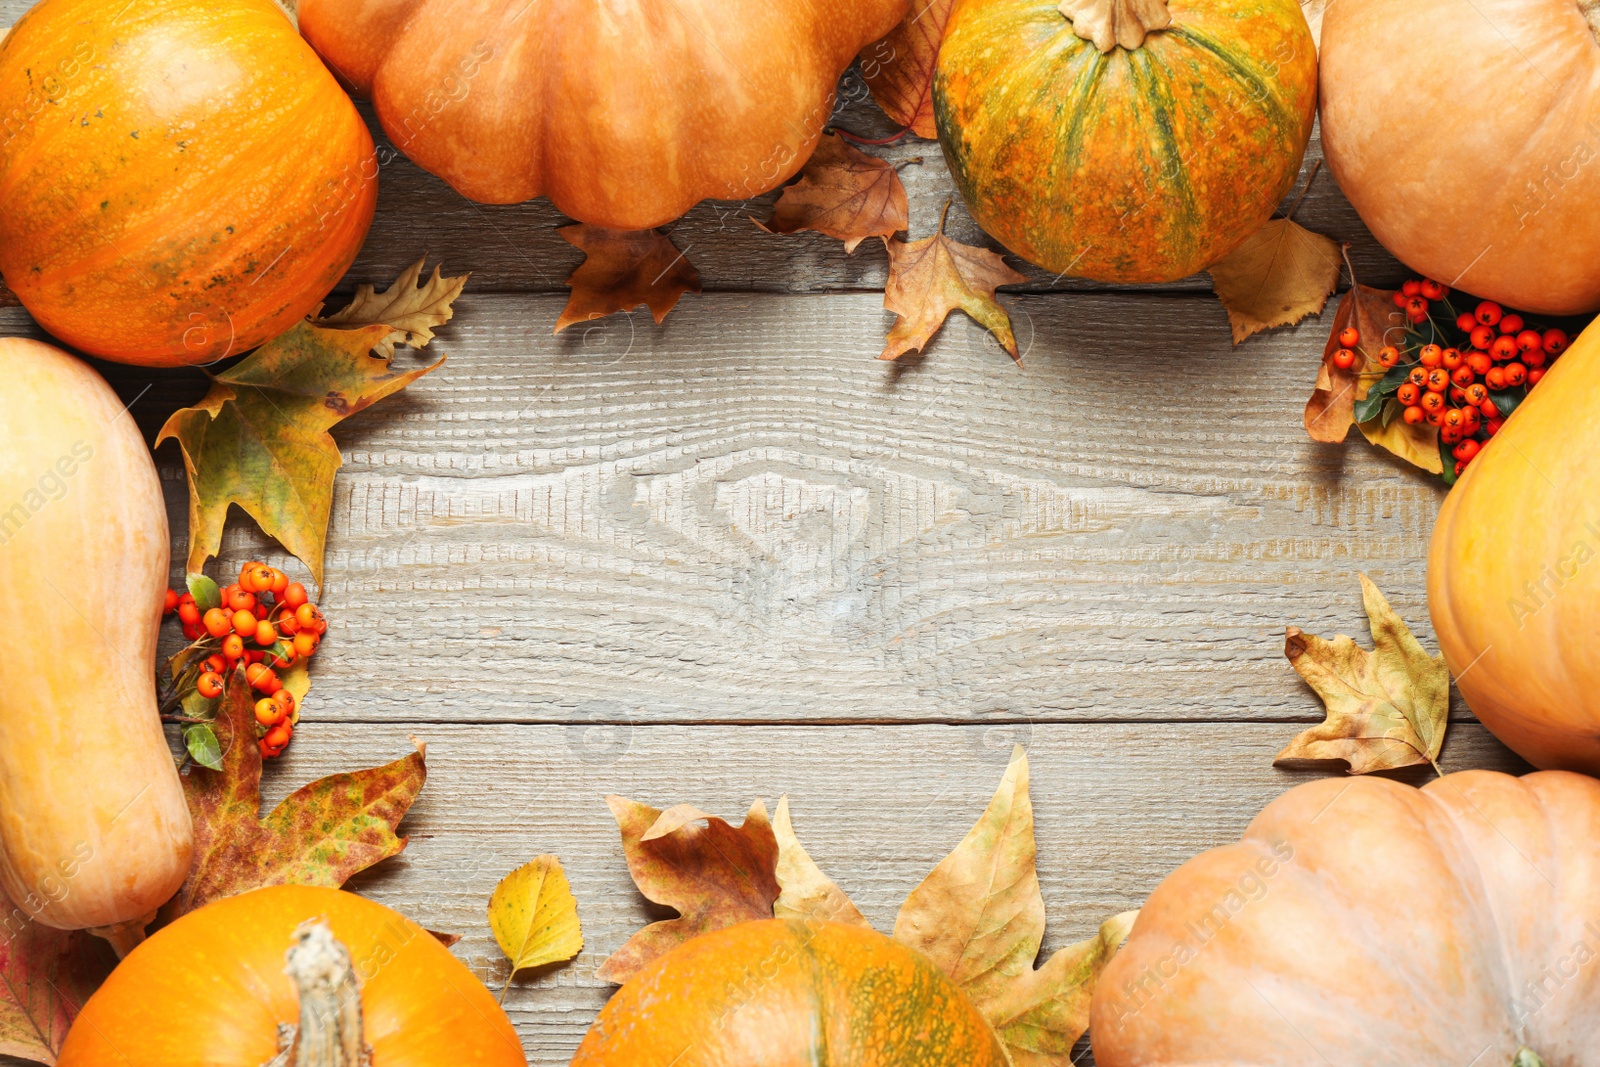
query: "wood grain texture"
1118, 808
741, 516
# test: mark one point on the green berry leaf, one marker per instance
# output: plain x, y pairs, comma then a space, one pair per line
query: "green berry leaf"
196, 706
1449, 460
1506, 400
205, 592
201, 741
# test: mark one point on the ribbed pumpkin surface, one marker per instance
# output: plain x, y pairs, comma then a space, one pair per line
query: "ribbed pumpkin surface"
180, 180
783, 993
1131, 166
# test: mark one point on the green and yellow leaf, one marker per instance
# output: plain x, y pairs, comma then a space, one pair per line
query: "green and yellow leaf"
411, 308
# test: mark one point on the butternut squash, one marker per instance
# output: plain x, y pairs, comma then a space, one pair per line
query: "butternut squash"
94, 831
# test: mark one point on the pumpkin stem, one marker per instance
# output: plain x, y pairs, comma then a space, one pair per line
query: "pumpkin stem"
330, 1033
1526, 1057
125, 936
1109, 23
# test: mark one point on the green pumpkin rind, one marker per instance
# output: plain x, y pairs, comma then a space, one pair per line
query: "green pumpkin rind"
1130, 166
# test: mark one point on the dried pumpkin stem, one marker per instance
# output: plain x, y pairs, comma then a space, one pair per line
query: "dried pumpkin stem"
1110, 23
1526, 1057
1591, 15
330, 1033
126, 936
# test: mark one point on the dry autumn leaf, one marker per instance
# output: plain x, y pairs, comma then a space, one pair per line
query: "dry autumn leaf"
843, 193
409, 307
46, 975
980, 917
1386, 708
534, 917
623, 269
899, 69
1282, 273
805, 892
930, 278
321, 834
715, 875
260, 437
1331, 409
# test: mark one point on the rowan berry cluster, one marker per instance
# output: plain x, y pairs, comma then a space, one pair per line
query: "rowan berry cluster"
264, 623
1461, 372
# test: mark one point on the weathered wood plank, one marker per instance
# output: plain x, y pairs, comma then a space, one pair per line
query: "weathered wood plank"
1118, 807
743, 516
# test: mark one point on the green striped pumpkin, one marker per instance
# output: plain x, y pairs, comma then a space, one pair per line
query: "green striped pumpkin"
1140, 165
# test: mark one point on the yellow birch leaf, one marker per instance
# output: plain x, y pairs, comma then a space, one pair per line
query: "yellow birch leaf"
534, 917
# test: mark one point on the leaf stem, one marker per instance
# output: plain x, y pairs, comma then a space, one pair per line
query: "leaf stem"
1315, 167
858, 139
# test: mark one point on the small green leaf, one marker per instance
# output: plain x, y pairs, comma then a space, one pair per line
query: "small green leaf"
1506, 400
201, 741
1448, 458
196, 706
205, 592
1391, 411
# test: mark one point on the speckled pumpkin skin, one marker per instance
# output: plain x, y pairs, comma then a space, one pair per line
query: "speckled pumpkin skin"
1141, 166
784, 993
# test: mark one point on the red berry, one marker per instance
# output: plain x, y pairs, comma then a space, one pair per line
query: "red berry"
1479, 362
1492, 426
1496, 378
1349, 337
1529, 341
1466, 450
1477, 394
1413, 287
1503, 349
170, 604
242, 601
1433, 290
1516, 374
209, 685
278, 737
1430, 356
294, 594
1489, 409
1447, 433
1400, 299
1511, 323
1463, 376
189, 614
1388, 355
1482, 337
1414, 415
1451, 358
1471, 420
1488, 313
1416, 309
1344, 359
1555, 342
1465, 321
1534, 374
193, 631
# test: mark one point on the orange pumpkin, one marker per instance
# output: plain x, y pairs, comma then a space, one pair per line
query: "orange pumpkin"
1468, 139
624, 114
180, 180
1364, 921
210, 990
787, 993
1513, 576
1143, 155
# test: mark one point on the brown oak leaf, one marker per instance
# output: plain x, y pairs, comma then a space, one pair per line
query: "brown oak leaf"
46, 975
713, 873
980, 917
410, 308
321, 834
1279, 275
623, 269
1387, 708
260, 437
899, 69
930, 278
843, 193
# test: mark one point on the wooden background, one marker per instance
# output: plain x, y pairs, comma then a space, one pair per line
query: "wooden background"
734, 556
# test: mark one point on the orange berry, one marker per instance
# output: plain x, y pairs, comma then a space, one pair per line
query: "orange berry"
193, 631
294, 594
247, 571
1479, 362
1438, 380
1388, 355
1496, 378
1434, 290
280, 582
189, 614
245, 623
216, 663
1470, 420
1516, 374
278, 736
242, 601
1555, 342
1463, 376
1349, 337
1534, 374
1344, 358
269, 712
1431, 402
1408, 394
307, 616
1452, 418
170, 603
1418, 377
265, 635
1511, 324
305, 644
1414, 415
1477, 394
209, 685
290, 704
1482, 337
1488, 313
1430, 356
218, 623
1489, 409
233, 647
288, 659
